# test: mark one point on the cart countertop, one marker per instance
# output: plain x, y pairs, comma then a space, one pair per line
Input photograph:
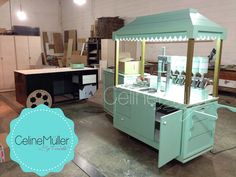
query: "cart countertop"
51, 70
176, 96
113, 71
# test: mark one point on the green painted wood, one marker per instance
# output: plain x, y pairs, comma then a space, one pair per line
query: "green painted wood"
108, 90
202, 123
108, 83
149, 142
194, 156
184, 134
108, 95
187, 23
122, 109
123, 102
121, 121
198, 129
200, 143
143, 116
170, 137
125, 120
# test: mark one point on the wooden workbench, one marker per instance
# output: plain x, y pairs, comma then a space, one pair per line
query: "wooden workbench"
56, 81
227, 79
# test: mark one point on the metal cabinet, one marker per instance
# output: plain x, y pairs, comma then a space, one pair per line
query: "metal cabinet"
94, 50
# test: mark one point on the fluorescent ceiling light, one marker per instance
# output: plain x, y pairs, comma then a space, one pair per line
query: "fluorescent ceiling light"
80, 2
21, 15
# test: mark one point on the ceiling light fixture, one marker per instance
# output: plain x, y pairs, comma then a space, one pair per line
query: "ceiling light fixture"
80, 2
21, 14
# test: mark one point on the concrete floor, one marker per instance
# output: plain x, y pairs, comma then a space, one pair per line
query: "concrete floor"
114, 153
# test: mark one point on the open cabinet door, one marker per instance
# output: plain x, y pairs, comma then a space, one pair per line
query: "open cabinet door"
170, 137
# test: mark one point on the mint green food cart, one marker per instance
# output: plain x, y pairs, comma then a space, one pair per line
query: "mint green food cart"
179, 123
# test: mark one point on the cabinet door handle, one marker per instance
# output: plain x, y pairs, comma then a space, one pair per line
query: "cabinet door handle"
164, 123
202, 109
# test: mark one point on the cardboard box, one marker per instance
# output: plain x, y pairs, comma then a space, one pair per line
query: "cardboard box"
129, 67
4, 149
75, 58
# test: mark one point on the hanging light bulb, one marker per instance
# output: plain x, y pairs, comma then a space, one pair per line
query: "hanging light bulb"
21, 14
80, 2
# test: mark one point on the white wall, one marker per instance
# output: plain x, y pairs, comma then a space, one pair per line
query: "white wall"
45, 14
49, 16
77, 17
5, 16
222, 12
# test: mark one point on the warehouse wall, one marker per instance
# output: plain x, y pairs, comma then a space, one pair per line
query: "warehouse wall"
4, 16
77, 17
222, 12
45, 14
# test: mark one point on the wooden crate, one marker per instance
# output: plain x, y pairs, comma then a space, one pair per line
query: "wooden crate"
107, 25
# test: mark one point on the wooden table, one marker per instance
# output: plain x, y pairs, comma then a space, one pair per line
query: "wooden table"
227, 79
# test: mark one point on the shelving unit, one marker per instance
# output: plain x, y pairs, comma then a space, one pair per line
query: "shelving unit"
94, 51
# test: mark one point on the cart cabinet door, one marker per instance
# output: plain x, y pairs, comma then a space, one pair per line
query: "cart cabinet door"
170, 137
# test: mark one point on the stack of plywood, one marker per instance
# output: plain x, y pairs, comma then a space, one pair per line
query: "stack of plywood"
82, 46
70, 34
53, 43
58, 43
105, 26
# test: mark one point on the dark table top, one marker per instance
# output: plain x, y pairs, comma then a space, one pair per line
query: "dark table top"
231, 68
